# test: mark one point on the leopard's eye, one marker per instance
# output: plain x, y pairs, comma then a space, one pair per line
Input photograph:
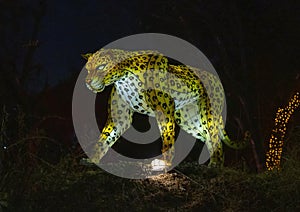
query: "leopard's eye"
101, 67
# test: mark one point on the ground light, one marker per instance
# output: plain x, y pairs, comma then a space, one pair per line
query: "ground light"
158, 165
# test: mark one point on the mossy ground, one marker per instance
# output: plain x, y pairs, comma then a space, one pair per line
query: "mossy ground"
68, 186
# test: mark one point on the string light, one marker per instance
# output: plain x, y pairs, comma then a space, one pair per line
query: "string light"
276, 141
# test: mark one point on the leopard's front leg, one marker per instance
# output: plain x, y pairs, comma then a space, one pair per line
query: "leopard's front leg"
164, 107
119, 120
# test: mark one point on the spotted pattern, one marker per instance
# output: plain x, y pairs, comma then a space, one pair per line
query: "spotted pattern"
146, 82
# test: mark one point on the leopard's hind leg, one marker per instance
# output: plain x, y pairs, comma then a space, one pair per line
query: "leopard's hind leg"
197, 122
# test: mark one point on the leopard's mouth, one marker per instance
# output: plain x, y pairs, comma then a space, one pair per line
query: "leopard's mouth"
95, 87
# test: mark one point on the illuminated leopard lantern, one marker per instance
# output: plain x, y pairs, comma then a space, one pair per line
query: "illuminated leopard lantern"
147, 82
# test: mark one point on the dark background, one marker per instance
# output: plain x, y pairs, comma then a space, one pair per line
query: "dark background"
253, 45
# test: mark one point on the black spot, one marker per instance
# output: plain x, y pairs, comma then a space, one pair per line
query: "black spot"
164, 105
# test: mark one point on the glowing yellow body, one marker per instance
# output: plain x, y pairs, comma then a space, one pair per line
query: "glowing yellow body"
146, 82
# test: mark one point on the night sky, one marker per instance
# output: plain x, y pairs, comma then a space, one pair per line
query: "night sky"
71, 28
236, 34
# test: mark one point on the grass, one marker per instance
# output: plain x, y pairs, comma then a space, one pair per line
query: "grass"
69, 186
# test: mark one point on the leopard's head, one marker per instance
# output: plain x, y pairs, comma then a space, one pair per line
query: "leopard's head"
103, 68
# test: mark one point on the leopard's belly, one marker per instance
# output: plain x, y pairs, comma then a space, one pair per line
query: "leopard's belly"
132, 90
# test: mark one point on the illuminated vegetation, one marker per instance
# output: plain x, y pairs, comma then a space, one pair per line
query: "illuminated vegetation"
276, 141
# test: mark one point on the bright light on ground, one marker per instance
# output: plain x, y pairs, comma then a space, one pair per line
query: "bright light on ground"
158, 165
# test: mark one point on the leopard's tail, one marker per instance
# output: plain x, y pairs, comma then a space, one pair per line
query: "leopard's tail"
232, 143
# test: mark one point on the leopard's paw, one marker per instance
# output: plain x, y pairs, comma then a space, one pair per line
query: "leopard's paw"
86, 162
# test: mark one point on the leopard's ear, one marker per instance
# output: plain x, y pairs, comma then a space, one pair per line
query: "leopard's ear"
87, 55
